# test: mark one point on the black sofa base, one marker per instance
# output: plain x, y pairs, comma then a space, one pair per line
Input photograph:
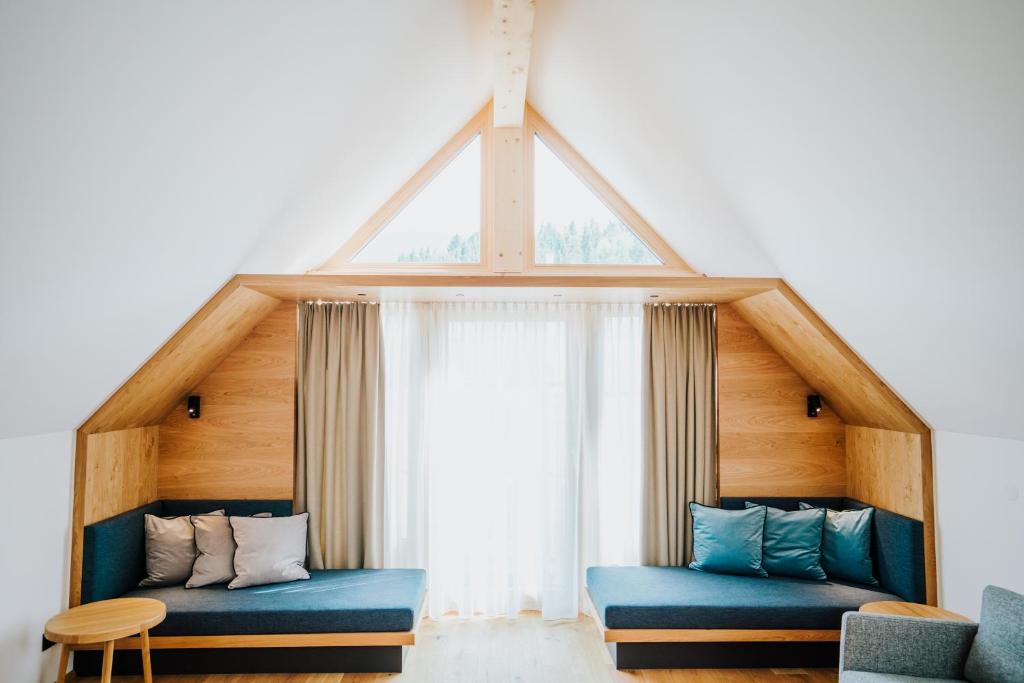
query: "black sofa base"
723, 655
286, 660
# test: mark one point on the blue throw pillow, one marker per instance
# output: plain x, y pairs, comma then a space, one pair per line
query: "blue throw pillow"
728, 541
792, 543
846, 545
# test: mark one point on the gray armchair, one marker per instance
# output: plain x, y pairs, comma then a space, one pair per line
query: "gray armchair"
877, 648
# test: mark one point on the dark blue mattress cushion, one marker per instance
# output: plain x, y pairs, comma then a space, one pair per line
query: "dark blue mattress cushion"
331, 601
897, 542
114, 549
677, 597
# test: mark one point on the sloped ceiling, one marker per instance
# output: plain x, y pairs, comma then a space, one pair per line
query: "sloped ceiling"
146, 147
873, 150
871, 153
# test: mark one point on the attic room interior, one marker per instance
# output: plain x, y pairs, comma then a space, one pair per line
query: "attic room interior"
511, 340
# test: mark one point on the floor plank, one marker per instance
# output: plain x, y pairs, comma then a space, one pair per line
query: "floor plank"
523, 650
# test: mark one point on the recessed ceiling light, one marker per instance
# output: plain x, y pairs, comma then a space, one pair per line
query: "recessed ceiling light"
558, 295
460, 294
654, 296
361, 294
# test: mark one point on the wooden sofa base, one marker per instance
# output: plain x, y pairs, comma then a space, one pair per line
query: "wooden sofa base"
729, 655
250, 660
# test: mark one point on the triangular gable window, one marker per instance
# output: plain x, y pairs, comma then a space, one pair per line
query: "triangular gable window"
440, 224
572, 225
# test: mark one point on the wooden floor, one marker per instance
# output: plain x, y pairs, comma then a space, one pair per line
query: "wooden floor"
524, 650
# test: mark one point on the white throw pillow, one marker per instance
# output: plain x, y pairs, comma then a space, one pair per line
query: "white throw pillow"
269, 550
215, 550
170, 550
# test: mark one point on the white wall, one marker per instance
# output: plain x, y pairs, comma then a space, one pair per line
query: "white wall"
35, 504
979, 489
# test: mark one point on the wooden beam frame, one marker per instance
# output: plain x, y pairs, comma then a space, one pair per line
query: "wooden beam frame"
513, 41
383, 638
506, 201
479, 125
671, 262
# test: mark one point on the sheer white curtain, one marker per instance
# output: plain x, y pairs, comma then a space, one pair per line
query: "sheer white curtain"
513, 449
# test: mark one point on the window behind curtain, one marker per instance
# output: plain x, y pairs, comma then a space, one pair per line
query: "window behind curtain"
513, 449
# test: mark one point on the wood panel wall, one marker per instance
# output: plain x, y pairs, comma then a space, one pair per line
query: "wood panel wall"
243, 444
767, 444
893, 470
884, 469
121, 472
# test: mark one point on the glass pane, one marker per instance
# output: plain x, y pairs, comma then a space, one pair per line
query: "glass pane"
571, 224
441, 224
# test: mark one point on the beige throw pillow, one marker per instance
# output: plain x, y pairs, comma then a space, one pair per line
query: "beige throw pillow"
270, 550
170, 550
215, 546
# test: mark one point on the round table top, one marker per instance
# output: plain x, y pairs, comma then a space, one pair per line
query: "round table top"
911, 609
105, 620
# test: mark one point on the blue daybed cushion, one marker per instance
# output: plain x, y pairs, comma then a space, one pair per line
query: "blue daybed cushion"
677, 597
332, 601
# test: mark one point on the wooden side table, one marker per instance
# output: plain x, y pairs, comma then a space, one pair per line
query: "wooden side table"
911, 609
104, 622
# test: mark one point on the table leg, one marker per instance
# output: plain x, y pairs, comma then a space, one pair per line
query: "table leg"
108, 661
62, 668
147, 668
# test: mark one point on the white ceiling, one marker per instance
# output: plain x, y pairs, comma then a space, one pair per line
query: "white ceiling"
872, 153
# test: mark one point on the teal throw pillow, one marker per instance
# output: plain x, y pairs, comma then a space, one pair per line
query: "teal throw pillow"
728, 541
846, 545
792, 543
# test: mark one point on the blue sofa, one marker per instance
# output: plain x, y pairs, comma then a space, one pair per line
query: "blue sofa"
674, 617
381, 605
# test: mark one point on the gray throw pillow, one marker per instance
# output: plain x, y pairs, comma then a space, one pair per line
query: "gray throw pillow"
170, 550
215, 548
270, 550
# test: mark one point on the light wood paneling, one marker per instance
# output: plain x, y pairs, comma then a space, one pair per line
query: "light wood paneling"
198, 347
720, 635
910, 609
884, 469
825, 362
668, 288
243, 444
268, 640
120, 472
893, 470
767, 444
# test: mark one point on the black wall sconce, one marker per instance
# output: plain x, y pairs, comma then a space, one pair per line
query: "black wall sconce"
813, 405
193, 407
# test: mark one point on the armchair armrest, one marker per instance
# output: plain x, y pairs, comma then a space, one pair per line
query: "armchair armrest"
929, 648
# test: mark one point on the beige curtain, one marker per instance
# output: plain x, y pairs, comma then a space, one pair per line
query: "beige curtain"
339, 473
680, 415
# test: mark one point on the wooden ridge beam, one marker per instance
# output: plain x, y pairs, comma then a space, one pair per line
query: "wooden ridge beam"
513, 42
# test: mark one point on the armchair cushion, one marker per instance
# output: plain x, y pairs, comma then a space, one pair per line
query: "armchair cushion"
926, 648
997, 655
867, 677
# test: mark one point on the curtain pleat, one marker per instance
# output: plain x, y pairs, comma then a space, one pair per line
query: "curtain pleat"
679, 426
339, 473
513, 450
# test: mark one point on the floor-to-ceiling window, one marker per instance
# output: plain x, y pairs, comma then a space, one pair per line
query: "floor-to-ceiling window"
513, 449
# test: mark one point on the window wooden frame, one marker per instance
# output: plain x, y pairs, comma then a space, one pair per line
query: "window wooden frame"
517, 223
342, 260
671, 263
